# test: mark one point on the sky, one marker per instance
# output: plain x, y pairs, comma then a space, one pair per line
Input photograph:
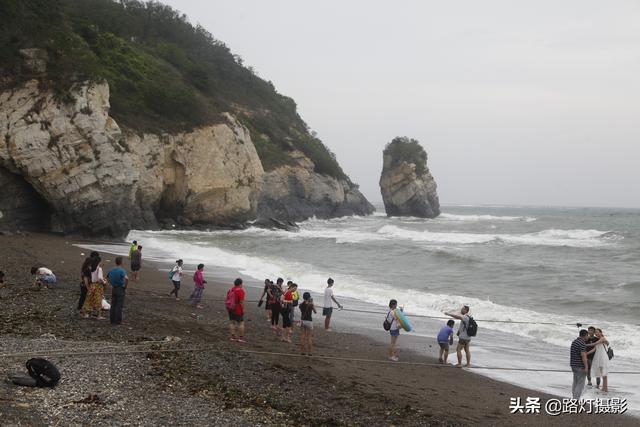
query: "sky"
516, 102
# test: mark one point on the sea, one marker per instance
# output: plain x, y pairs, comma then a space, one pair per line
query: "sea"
547, 269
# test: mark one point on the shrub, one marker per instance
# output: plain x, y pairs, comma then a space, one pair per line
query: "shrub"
403, 149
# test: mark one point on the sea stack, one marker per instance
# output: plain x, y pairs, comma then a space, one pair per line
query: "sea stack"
407, 186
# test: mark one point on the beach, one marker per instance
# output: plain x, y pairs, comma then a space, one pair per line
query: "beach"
172, 364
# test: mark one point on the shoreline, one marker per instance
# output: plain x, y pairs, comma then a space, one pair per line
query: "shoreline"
411, 394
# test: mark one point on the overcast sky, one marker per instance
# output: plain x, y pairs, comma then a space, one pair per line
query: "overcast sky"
516, 102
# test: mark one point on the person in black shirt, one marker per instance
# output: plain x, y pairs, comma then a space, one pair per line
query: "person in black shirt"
578, 363
306, 325
591, 338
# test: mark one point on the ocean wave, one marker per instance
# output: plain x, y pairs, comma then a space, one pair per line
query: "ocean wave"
475, 218
416, 302
552, 237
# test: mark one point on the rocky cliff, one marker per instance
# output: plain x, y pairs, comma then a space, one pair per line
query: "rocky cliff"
407, 186
66, 165
295, 192
75, 170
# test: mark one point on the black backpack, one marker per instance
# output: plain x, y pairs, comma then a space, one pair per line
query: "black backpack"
44, 372
471, 327
386, 324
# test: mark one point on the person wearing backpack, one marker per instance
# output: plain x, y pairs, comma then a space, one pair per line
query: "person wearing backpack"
467, 329
234, 303
394, 330
175, 275
275, 295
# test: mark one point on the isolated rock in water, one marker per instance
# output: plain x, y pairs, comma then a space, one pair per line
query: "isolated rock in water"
407, 187
275, 224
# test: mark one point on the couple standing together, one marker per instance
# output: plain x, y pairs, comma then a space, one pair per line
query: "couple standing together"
589, 357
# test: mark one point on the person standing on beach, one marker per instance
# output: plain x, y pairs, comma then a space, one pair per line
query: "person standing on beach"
119, 281
265, 293
85, 278
93, 303
136, 262
294, 305
327, 308
464, 340
236, 311
2, 279
445, 339
591, 339
600, 366
275, 295
198, 287
176, 276
287, 307
43, 277
578, 362
306, 324
394, 330
133, 247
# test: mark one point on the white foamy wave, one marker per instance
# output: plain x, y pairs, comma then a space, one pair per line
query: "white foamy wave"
310, 277
475, 218
571, 238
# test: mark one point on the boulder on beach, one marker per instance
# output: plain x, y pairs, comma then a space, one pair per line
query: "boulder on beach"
407, 186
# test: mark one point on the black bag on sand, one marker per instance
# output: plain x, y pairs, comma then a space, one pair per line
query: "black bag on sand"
44, 372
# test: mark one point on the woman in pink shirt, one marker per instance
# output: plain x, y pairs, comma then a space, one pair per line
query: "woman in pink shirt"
198, 281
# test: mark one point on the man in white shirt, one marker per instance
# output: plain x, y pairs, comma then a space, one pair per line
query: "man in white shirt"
43, 277
327, 309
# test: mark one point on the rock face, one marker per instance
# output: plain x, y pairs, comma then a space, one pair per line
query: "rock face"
295, 193
92, 177
71, 168
407, 186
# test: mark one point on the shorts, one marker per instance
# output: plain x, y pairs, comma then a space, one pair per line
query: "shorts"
462, 342
306, 324
326, 311
176, 284
135, 267
49, 279
267, 306
235, 317
394, 332
444, 345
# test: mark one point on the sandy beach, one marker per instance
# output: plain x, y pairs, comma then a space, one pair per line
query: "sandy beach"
170, 364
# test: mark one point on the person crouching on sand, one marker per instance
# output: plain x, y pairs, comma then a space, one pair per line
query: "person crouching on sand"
235, 308
306, 324
43, 277
464, 340
198, 286
394, 331
445, 339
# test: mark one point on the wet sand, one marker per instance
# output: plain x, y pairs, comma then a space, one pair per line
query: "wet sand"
223, 384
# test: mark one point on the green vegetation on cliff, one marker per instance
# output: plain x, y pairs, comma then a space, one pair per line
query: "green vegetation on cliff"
403, 149
164, 73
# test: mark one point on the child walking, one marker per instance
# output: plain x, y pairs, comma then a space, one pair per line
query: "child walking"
445, 339
198, 288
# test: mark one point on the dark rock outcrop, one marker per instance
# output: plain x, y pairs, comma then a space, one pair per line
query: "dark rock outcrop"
296, 193
407, 186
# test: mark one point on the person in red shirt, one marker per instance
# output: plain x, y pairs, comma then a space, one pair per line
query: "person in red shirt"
236, 315
287, 306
